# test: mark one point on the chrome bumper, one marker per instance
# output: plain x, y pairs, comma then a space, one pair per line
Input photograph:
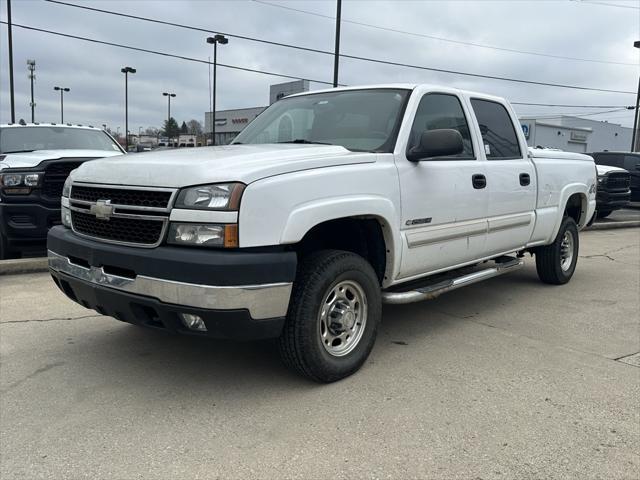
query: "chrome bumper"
262, 301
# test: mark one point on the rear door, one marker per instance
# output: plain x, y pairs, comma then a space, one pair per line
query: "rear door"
511, 177
443, 212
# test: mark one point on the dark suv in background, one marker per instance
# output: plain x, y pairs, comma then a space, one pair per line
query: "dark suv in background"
629, 161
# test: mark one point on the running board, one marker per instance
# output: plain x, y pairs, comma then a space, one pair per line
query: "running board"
430, 292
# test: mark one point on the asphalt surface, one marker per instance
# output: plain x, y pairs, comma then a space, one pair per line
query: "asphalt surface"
505, 379
622, 215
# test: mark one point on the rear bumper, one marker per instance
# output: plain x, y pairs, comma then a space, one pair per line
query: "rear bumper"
241, 295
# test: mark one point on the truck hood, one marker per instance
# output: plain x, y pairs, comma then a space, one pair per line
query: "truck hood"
604, 169
230, 163
33, 159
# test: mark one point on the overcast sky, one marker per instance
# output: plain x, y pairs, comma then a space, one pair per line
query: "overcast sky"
603, 31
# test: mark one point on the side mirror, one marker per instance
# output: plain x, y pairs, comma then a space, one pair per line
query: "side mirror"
437, 143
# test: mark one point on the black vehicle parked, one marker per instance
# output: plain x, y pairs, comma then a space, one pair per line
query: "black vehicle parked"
613, 190
35, 161
629, 161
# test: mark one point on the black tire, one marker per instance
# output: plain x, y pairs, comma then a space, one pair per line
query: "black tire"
549, 259
301, 343
603, 213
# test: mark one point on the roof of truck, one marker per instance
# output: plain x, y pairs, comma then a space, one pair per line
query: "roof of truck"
400, 86
66, 125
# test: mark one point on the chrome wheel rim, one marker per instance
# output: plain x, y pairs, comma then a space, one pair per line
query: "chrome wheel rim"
342, 318
566, 251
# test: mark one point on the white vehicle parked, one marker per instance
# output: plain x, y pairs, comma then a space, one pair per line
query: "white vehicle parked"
327, 205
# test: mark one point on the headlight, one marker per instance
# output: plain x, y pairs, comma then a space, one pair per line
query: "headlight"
66, 188
222, 196
11, 179
11, 183
203, 235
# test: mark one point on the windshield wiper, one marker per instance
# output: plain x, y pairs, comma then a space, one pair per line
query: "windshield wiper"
306, 142
19, 151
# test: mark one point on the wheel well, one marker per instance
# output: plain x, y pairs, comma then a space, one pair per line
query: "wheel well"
362, 236
576, 207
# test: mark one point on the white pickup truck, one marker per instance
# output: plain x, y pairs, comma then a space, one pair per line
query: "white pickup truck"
327, 205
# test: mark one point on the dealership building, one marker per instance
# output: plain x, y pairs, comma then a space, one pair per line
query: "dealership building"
575, 134
230, 123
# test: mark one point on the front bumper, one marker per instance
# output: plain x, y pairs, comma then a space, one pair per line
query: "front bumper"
612, 200
26, 224
241, 295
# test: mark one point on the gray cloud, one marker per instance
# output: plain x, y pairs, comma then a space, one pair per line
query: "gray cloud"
93, 73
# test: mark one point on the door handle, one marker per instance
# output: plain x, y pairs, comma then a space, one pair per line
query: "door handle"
479, 181
525, 179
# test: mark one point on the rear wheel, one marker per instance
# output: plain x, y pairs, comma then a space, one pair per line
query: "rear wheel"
333, 317
556, 263
603, 213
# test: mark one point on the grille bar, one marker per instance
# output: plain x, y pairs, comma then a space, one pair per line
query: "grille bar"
130, 197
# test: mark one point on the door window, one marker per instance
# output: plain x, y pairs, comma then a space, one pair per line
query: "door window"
439, 110
498, 134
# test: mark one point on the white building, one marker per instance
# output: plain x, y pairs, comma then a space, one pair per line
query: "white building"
575, 134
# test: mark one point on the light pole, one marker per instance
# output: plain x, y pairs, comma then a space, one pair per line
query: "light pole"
31, 66
10, 45
336, 55
168, 95
635, 136
222, 40
62, 90
126, 71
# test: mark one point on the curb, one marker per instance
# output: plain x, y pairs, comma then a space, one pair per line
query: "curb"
24, 265
612, 225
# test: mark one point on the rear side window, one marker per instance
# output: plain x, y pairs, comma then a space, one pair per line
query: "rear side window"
498, 134
439, 110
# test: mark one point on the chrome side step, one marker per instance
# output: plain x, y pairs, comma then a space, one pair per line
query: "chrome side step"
429, 292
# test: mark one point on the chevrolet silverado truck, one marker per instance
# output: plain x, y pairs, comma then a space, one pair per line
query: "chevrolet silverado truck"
35, 160
326, 206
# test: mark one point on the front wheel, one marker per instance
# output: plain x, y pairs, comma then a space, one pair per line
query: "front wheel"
556, 263
333, 317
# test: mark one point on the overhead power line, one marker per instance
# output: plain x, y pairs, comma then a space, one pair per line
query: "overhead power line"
444, 39
606, 4
572, 114
628, 107
165, 54
354, 57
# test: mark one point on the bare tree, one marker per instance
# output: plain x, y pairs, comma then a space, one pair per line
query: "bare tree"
195, 127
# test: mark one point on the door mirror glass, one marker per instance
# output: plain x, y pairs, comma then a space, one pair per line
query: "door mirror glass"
441, 142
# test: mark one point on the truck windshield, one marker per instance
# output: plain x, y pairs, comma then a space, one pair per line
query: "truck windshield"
359, 120
28, 139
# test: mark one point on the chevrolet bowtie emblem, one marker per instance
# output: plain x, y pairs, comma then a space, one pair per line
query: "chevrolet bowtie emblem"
102, 209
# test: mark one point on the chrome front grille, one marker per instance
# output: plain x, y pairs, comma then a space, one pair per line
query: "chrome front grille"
136, 216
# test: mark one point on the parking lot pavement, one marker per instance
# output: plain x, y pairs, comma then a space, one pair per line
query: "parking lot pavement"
505, 379
622, 215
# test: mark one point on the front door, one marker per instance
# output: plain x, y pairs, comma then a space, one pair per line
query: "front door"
444, 200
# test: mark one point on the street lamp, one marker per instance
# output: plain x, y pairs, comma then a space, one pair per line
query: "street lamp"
215, 40
126, 71
635, 136
62, 90
169, 96
31, 66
